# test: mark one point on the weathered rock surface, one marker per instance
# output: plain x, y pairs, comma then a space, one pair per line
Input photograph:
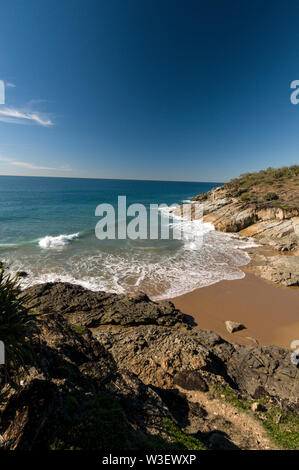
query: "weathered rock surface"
140, 361
273, 226
91, 309
157, 353
276, 227
282, 270
233, 326
70, 371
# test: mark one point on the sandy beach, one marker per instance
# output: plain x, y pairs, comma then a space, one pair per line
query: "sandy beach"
270, 313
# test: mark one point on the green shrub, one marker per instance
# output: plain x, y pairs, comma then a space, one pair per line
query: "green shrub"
99, 424
16, 324
271, 197
269, 176
246, 197
79, 329
180, 440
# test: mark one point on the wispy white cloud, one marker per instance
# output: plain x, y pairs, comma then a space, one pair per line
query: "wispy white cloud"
33, 166
10, 85
15, 116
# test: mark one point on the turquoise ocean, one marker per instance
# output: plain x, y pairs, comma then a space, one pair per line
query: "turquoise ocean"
47, 228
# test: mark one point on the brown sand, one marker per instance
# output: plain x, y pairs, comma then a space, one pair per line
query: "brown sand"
271, 314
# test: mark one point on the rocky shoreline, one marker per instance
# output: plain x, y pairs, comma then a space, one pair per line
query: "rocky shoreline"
164, 382
120, 371
276, 229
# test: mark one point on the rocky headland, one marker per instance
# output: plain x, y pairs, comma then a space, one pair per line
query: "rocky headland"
123, 372
264, 206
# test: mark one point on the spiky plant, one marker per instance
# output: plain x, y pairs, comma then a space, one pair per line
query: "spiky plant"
16, 324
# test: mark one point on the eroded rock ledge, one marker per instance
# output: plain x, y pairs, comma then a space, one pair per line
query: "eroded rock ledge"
153, 364
274, 227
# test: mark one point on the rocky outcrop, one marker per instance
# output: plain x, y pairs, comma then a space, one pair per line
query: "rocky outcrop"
168, 344
281, 270
91, 309
142, 368
59, 392
275, 227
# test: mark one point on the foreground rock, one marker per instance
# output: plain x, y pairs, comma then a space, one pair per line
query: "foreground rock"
233, 326
73, 382
140, 364
167, 344
280, 269
92, 309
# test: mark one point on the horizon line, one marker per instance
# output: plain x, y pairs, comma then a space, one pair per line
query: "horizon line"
109, 178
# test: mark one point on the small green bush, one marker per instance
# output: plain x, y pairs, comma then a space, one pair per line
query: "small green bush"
79, 329
180, 439
16, 323
246, 197
271, 197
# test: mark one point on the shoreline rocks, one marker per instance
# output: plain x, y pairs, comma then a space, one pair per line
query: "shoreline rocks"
139, 359
166, 343
274, 227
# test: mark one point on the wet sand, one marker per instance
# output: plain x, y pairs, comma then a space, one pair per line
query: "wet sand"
271, 314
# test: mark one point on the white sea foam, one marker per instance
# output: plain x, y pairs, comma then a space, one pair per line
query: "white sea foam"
202, 258
58, 241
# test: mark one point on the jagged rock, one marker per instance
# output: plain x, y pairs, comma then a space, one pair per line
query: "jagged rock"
157, 353
190, 380
233, 326
277, 227
279, 269
70, 371
90, 309
154, 353
139, 365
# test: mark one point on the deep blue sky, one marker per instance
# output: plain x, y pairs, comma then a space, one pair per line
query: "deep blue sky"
154, 89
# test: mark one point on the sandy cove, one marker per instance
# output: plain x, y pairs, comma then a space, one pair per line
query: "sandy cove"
266, 300
270, 313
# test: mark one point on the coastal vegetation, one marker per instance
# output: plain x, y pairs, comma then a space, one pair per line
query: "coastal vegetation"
16, 322
280, 423
102, 424
271, 187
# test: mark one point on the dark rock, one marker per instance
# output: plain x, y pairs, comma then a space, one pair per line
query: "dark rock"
190, 380
260, 392
91, 309
157, 352
22, 274
137, 351
219, 441
69, 373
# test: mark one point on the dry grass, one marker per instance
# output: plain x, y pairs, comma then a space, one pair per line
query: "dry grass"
268, 188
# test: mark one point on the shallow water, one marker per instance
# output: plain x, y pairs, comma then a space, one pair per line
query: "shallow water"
47, 228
